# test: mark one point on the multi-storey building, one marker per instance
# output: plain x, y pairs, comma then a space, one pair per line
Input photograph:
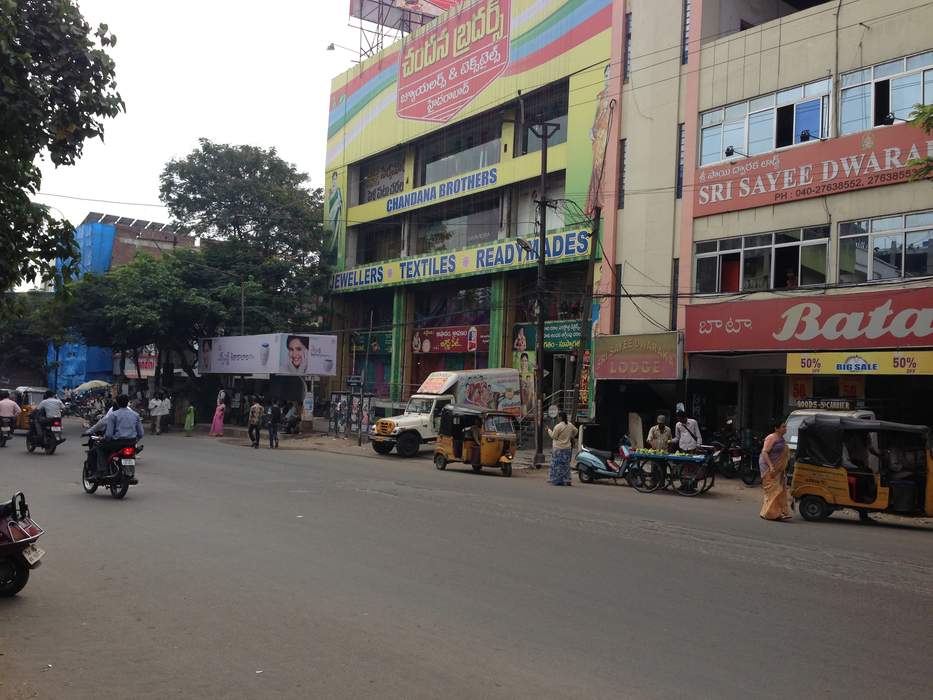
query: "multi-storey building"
761, 238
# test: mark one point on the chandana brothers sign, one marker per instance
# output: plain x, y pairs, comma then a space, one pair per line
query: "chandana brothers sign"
563, 246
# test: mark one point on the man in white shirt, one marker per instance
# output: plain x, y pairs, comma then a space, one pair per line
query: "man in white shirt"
687, 433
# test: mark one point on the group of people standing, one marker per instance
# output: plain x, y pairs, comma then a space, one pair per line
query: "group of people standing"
262, 413
160, 408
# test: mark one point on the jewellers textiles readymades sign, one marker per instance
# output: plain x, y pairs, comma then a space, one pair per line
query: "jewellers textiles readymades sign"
892, 319
445, 68
859, 161
299, 354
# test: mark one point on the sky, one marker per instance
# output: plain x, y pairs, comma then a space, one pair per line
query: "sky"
235, 72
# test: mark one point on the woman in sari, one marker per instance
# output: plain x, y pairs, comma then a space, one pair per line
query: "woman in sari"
217, 425
773, 466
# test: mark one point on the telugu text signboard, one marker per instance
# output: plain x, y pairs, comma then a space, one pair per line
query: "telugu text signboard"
451, 339
443, 69
644, 356
903, 362
895, 318
867, 159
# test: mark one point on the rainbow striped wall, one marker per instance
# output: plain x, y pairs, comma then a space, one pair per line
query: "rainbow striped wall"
550, 40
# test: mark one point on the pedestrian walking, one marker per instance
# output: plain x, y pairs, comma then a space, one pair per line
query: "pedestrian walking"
217, 424
659, 436
189, 420
562, 436
687, 436
773, 465
154, 403
166, 420
255, 422
274, 418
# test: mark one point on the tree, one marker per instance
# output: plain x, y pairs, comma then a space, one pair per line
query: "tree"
31, 321
922, 117
263, 226
56, 86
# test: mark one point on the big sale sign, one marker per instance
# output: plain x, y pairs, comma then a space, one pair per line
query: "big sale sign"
444, 69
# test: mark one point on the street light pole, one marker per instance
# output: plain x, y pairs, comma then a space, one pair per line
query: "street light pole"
543, 131
242, 307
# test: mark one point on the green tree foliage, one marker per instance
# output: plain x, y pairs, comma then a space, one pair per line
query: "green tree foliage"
262, 224
30, 321
923, 118
56, 87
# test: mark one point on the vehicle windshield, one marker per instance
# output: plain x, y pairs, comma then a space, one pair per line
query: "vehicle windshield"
419, 406
500, 424
793, 427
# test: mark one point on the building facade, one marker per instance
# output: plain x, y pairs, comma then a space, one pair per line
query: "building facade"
750, 160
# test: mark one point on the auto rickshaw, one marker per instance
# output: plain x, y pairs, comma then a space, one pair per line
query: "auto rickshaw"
476, 437
28, 398
870, 466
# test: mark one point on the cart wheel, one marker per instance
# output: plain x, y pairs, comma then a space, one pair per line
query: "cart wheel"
440, 462
507, 469
690, 482
813, 508
647, 476
584, 474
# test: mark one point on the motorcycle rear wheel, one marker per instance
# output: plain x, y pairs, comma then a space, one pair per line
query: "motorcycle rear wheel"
30, 445
14, 574
750, 472
119, 488
88, 485
50, 450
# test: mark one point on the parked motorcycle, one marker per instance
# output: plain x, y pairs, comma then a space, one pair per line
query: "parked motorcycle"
47, 434
18, 551
749, 470
6, 430
120, 470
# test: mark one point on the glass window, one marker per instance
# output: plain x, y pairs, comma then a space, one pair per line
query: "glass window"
761, 103
706, 275
853, 260
787, 237
889, 223
905, 93
928, 87
711, 145
790, 95
458, 224
761, 132
759, 240
887, 256
714, 116
706, 247
813, 264
807, 118
463, 148
736, 113
378, 241
920, 60
856, 77
922, 219
853, 227
549, 104
733, 135
888, 69
856, 109
756, 269
817, 87
918, 254
730, 244
815, 233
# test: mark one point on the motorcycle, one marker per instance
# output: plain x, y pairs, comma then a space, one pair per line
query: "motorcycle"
47, 434
749, 471
6, 430
120, 472
18, 551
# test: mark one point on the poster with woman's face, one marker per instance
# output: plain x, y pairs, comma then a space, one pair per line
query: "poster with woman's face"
296, 354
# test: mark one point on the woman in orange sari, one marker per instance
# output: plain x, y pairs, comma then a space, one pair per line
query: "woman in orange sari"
773, 466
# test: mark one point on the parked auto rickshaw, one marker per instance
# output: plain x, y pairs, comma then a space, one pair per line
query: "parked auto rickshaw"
476, 437
870, 466
28, 398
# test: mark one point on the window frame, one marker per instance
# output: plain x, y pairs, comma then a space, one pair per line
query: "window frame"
903, 230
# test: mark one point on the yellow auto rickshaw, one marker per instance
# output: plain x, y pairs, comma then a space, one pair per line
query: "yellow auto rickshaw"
28, 398
870, 466
476, 437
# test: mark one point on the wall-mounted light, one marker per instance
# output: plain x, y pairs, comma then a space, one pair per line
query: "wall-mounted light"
524, 245
805, 136
730, 151
890, 118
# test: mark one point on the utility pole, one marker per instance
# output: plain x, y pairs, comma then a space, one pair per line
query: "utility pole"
242, 307
586, 322
369, 342
543, 130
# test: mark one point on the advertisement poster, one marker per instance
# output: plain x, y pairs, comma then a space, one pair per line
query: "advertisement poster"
495, 391
274, 353
903, 362
451, 339
559, 336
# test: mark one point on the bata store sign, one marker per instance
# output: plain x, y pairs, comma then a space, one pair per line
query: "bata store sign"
444, 69
894, 319
868, 159
451, 339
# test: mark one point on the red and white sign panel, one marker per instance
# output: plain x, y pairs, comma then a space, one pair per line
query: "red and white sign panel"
868, 159
892, 319
451, 339
442, 70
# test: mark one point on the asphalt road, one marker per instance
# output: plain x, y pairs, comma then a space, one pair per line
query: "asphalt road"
234, 573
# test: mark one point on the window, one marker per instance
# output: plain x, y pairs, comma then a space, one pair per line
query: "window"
548, 105
685, 39
461, 223
870, 95
627, 65
681, 154
458, 149
890, 247
381, 177
795, 115
622, 154
781, 260
378, 241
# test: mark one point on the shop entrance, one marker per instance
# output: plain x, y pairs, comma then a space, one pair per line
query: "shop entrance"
561, 374
763, 400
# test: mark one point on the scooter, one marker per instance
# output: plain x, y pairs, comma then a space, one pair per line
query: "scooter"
46, 434
120, 472
593, 464
6, 430
18, 551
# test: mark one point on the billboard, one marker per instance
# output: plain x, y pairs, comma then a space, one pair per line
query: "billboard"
904, 362
299, 354
644, 356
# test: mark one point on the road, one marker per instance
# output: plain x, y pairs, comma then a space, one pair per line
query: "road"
234, 573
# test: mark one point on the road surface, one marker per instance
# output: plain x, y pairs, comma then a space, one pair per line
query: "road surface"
239, 573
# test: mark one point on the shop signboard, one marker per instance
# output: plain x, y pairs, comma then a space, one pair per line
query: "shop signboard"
148, 361
644, 356
559, 336
451, 339
858, 161
896, 318
559, 246
903, 362
300, 354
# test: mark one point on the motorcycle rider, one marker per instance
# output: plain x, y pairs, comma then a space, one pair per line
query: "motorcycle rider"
49, 407
122, 428
9, 410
